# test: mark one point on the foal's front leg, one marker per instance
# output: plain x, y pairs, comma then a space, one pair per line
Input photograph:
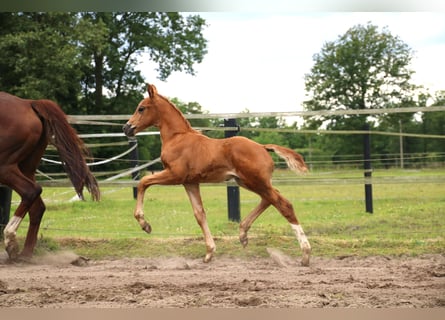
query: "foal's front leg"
139, 210
162, 178
200, 215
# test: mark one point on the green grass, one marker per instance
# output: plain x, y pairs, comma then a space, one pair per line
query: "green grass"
408, 219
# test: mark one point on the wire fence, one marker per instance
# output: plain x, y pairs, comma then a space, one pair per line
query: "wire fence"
350, 164
77, 119
315, 161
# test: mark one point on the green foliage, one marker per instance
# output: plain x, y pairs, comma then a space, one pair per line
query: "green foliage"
172, 41
434, 123
39, 57
87, 61
365, 68
192, 108
268, 136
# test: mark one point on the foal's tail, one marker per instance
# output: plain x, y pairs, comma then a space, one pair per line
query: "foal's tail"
294, 160
71, 148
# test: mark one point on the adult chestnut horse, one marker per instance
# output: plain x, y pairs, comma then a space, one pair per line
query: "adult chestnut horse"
190, 158
26, 128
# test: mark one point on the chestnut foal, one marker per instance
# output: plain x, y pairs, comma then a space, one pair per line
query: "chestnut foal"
191, 158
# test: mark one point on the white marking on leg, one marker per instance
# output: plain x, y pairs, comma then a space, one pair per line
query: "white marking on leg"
10, 232
301, 236
304, 243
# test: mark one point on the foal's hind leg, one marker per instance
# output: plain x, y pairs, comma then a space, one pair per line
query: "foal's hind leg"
287, 210
247, 221
200, 215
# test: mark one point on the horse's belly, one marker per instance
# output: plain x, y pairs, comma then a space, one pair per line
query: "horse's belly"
210, 176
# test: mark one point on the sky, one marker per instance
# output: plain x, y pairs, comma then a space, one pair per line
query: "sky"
257, 61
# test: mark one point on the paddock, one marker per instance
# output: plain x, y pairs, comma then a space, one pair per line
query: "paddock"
51, 281
94, 255
393, 258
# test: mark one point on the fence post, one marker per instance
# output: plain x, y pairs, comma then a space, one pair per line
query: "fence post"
134, 162
5, 207
233, 196
367, 169
401, 145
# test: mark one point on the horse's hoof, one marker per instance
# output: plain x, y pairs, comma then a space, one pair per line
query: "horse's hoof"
24, 258
208, 258
12, 248
147, 228
306, 258
243, 240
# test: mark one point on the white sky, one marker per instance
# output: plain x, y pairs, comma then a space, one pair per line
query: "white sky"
257, 61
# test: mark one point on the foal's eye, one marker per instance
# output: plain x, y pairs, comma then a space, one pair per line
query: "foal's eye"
141, 109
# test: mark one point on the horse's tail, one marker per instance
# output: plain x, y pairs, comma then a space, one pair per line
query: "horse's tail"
293, 159
71, 148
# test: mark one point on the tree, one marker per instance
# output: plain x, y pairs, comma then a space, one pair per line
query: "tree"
39, 57
87, 61
364, 68
171, 40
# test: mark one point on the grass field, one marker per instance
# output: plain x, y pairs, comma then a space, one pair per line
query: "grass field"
408, 218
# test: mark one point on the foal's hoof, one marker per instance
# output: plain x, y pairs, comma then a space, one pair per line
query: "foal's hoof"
243, 240
146, 228
208, 258
306, 257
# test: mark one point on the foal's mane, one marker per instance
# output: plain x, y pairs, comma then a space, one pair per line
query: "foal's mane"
177, 111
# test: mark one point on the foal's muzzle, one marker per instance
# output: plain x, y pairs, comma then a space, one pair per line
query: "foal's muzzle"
128, 129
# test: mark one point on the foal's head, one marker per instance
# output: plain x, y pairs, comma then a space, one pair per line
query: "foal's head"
146, 113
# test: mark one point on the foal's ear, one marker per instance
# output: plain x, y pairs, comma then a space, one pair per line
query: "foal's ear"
151, 89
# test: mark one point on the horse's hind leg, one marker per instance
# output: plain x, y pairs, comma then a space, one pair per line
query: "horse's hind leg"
29, 192
247, 221
35, 217
270, 196
287, 210
200, 215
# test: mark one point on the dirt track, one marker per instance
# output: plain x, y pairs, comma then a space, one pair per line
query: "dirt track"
53, 281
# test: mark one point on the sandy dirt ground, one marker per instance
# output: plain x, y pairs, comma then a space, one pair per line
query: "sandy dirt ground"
66, 280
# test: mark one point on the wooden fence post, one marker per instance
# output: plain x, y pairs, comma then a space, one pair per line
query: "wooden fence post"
233, 196
5, 207
367, 169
